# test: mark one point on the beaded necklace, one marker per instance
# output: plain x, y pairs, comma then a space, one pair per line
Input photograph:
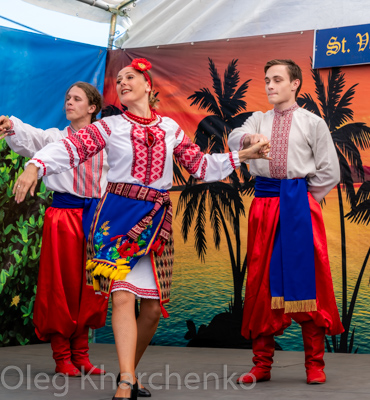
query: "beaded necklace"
142, 120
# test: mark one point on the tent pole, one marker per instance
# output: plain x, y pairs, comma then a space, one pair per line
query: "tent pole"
115, 11
99, 4
113, 21
112, 30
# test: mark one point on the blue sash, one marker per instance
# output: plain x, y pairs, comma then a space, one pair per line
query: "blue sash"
292, 266
67, 200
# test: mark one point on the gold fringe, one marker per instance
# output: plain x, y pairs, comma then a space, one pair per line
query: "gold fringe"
277, 302
106, 271
300, 306
96, 285
90, 264
101, 269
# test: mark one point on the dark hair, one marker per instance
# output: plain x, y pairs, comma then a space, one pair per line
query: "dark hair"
93, 96
294, 70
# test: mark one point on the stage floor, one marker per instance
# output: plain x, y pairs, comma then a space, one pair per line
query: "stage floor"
180, 373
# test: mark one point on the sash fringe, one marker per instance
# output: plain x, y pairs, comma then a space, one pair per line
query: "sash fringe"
113, 272
277, 302
293, 306
300, 306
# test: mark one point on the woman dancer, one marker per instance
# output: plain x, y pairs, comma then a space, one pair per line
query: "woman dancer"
61, 311
132, 224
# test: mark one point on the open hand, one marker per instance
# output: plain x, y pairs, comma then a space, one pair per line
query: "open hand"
26, 182
5, 125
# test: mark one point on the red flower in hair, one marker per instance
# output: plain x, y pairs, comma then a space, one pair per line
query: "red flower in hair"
141, 64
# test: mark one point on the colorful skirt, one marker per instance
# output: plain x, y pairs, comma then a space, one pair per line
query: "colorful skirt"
131, 222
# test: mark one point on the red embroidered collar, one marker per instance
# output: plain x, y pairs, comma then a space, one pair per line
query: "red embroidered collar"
287, 110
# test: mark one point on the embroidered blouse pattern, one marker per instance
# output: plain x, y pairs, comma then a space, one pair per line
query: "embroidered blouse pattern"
189, 155
86, 177
279, 141
149, 153
88, 142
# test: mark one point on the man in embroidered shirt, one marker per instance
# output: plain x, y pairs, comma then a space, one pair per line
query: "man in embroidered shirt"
288, 269
64, 306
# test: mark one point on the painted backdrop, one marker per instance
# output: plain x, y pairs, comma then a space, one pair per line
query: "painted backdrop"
209, 88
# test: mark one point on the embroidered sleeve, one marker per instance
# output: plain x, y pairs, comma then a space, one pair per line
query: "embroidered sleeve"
68, 153
188, 154
40, 165
88, 142
207, 167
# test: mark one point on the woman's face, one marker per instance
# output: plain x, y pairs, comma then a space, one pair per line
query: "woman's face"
77, 104
132, 86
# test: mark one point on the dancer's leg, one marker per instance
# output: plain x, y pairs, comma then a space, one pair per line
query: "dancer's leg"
147, 323
125, 335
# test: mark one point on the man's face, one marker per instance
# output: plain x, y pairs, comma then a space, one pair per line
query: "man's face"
77, 105
279, 89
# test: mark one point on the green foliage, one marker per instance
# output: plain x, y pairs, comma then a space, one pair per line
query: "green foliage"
20, 244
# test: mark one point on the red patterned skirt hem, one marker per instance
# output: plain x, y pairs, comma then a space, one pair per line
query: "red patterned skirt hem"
139, 292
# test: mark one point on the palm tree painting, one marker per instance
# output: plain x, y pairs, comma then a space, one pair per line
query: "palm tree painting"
228, 110
225, 108
348, 137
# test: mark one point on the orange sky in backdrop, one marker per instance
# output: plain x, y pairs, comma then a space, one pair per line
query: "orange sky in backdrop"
181, 69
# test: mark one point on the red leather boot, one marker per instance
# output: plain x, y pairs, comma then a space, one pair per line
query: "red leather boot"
314, 349
80, 356
62, 355
263, 349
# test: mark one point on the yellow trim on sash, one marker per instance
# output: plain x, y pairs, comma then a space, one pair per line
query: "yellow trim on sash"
116, 272
293, 306
277, 303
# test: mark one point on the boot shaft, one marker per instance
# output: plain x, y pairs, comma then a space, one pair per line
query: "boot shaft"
314, 345
80, 346
61, 347
263, 350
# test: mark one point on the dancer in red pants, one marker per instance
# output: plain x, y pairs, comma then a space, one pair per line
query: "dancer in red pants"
288, 267
62, 311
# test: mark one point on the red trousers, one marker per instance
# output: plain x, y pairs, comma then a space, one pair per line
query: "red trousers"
64, 304
258, 317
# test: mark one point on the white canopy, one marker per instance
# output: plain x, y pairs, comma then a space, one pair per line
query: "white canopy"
159, 22
97, 11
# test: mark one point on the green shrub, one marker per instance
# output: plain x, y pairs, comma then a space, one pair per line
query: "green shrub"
20, 244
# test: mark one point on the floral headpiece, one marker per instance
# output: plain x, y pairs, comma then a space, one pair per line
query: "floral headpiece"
142, 65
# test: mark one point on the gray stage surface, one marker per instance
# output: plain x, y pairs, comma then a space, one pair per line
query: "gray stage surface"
179, 373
